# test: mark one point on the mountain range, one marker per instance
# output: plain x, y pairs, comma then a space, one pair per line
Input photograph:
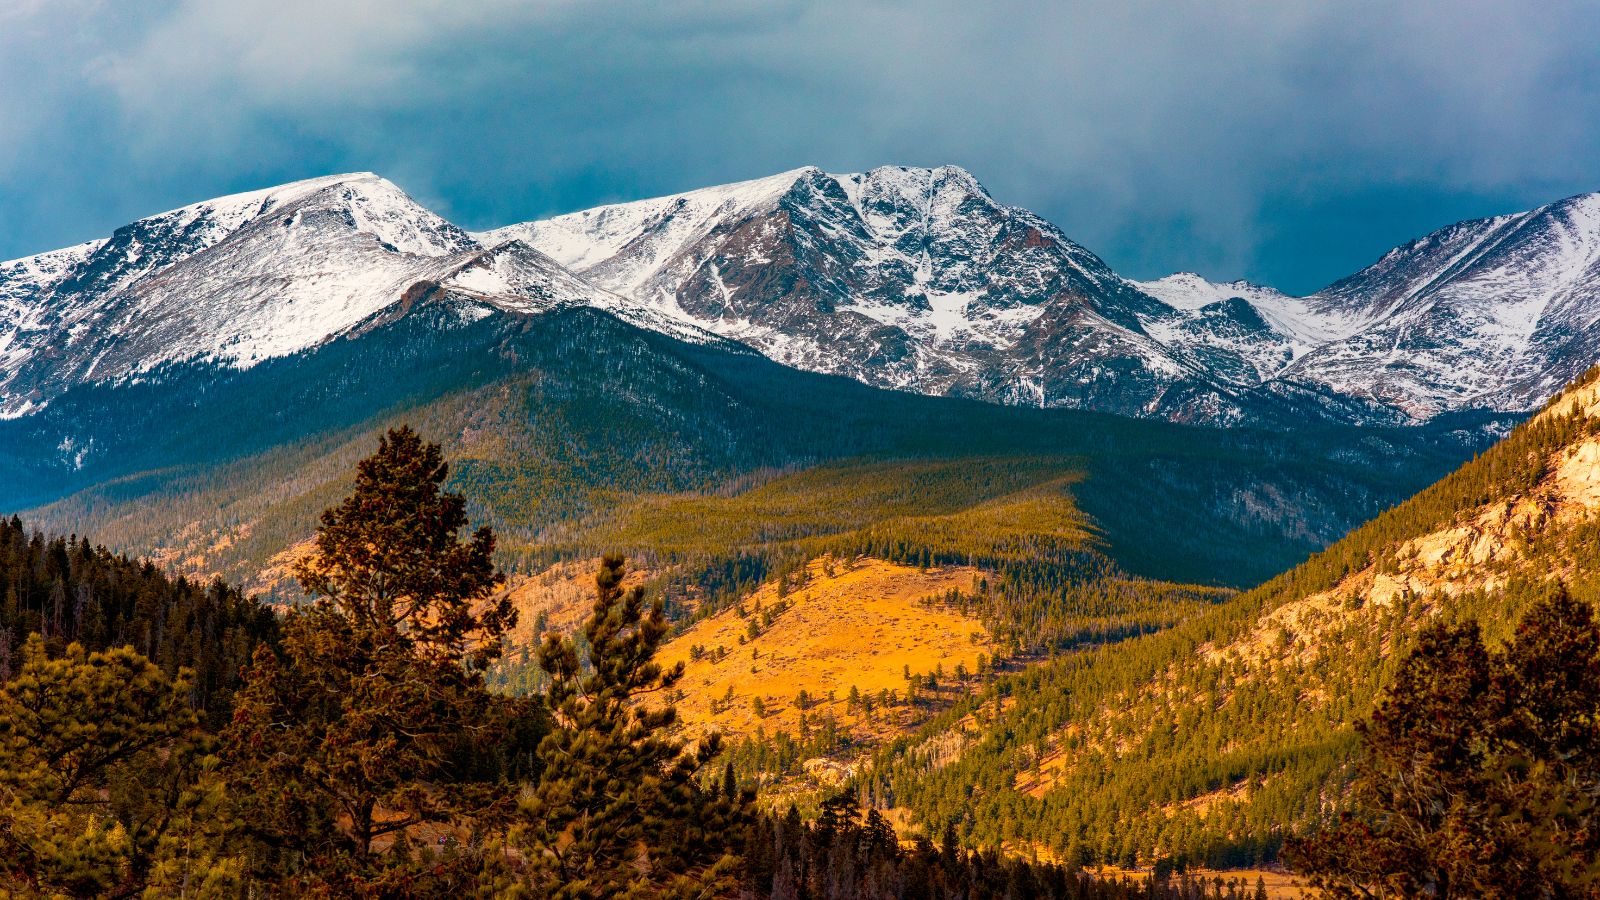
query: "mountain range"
905, 278
931, 493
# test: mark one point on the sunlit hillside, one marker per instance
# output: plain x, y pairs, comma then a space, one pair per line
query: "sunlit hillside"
838, 661
1212, 741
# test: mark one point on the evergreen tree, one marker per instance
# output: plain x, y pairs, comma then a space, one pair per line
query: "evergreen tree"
389, 559
372, 717
97, 753
1481, 776
618, 810
109, 601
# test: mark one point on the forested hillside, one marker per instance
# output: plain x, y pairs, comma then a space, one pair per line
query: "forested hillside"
1212, 741
724, 474
550, 419
776, 581
68, 590
717, 472
364, 756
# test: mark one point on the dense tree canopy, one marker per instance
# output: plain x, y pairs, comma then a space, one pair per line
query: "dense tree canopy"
99, 753
69, 591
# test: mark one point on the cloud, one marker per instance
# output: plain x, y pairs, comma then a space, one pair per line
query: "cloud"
1290, 142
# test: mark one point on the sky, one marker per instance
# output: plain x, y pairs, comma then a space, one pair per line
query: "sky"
1283, 142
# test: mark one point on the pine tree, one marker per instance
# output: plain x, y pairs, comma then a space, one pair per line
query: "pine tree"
372, 717
618, 810
96, 750
1481, 776
389, 560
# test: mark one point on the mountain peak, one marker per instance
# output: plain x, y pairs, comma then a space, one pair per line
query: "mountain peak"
900, 276
959, 175
910, 182
277, 195
232, 280
1190, 290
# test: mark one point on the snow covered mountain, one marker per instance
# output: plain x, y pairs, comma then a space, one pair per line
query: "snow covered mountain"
914, 279
1496, 313
918, 279
249, 277
908, 278
1493, 313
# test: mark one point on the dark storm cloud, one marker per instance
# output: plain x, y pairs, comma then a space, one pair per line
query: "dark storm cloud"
1285, 142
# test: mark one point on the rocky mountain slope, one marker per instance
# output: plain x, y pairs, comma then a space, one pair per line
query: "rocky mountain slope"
556, 416
913, 279
918, 279
1495, 313
1211, 741
249, 277
907, 278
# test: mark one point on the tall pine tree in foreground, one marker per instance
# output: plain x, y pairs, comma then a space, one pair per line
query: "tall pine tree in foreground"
1481, 777
619, 811
371, 720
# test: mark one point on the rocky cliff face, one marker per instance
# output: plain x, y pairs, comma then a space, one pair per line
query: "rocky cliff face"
1534, 533
915, 279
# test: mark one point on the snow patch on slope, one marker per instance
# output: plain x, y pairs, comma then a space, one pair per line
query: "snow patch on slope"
651, 230
1297, 319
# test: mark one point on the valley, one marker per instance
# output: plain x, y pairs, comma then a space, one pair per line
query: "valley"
1093, 627
557, 419
799, 451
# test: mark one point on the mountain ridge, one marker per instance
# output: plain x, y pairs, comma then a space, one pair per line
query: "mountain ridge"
1201, 356
1210, 742
252, 276
907, 278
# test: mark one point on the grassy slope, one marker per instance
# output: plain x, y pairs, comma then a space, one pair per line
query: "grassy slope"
858, 623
